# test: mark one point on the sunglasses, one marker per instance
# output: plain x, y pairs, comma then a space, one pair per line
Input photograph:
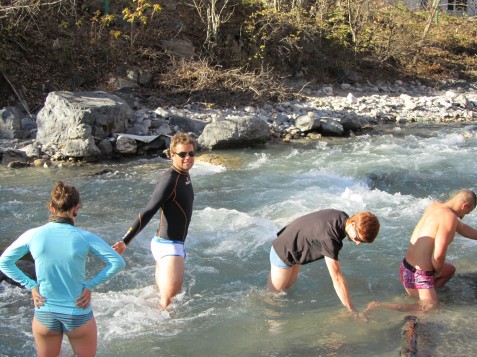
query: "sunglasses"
184, 154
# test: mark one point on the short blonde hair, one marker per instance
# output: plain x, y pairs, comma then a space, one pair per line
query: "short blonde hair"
467, 196
181, 138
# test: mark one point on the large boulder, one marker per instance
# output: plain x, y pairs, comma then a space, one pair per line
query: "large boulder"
351, 122
234, 132
70, 124
308, 122
13, 155
187, 124
331, 127
126, 145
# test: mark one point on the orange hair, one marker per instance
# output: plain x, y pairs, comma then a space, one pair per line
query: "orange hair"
367, 225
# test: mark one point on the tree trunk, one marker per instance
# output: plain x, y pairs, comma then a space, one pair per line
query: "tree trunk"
432, 14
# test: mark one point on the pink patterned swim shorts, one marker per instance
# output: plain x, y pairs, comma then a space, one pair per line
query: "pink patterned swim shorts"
413, 278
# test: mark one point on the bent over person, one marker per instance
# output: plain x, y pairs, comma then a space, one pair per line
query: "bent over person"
174, 196
315, 236
62, 294
424, 268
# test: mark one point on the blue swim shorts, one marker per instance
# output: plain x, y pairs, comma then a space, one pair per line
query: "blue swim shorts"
276, 261
167, 248
61, 322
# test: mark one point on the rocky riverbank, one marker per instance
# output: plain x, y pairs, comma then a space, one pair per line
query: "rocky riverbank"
95, 126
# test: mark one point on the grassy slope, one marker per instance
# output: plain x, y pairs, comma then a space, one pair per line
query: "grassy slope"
67, 50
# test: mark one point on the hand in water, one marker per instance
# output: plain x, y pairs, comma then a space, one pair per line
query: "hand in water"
359, 316
372, 305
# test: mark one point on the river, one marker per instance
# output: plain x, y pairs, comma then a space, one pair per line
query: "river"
224, 309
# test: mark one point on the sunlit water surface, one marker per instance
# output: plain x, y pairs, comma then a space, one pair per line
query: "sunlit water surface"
224, 309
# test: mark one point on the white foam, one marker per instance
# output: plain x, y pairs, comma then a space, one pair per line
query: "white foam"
230, 231
293, 153
261, 159
451, 139
128, 312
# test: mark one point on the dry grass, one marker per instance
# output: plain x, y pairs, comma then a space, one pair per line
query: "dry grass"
44, 51
198, 81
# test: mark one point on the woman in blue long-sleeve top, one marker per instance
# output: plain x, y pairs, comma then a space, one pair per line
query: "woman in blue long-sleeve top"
62, 294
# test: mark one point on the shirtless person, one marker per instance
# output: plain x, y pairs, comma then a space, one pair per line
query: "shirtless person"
424, 268
174, 196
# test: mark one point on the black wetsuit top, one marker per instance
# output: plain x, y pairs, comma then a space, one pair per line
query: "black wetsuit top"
312, 237
174, 195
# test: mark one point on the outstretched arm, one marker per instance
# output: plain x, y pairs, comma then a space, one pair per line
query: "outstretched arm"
339, 283
466, 231
162, 191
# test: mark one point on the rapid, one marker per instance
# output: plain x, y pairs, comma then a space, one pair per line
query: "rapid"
224, 308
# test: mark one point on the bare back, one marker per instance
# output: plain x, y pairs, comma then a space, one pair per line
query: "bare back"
431, 237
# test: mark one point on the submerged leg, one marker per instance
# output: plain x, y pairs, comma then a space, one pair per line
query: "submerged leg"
169, 277
447, 272
427, 301
281, 279
394, 306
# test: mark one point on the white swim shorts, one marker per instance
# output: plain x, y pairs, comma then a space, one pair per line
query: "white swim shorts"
166, 248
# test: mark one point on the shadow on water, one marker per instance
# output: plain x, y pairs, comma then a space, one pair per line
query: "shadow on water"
396, 180
461, 290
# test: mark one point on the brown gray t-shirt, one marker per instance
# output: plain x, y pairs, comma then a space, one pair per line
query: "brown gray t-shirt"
312, 237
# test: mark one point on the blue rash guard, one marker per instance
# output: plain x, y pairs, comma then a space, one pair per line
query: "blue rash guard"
174, 196
60, 251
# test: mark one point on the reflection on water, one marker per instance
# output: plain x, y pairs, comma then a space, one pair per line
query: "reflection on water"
223, 308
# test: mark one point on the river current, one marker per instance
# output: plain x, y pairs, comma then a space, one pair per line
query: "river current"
224, 309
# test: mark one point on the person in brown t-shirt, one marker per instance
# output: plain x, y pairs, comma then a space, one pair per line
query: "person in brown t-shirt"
316, 236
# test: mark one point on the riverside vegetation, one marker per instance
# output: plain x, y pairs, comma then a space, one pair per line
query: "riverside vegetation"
234, 74
224, 52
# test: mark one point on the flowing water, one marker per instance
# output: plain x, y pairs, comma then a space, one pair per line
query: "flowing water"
224, 309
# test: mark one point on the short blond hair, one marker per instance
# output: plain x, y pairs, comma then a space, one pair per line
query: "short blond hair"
467, 196
181, 138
